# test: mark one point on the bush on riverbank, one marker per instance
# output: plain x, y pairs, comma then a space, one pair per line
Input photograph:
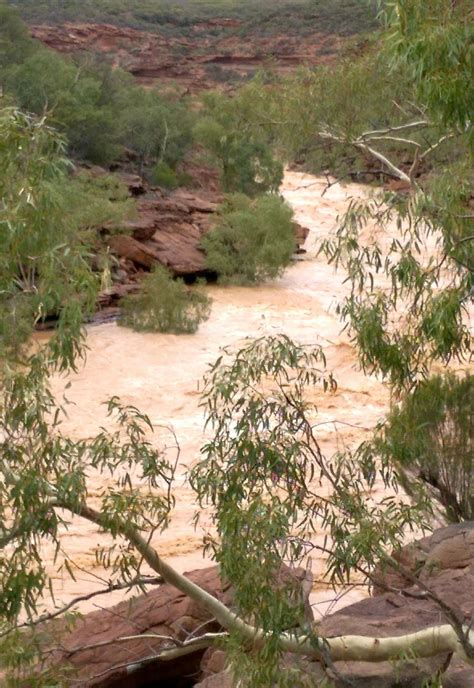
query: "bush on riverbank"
253, 240
165, 305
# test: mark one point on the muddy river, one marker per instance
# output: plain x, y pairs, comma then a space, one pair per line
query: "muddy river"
160, 374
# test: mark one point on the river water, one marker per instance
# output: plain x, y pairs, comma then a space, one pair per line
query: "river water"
160, 374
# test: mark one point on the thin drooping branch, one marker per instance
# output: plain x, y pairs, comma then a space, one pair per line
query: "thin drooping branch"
49, 616
463, 633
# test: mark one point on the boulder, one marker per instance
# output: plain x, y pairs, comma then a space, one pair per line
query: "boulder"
168, 229
95, 655
446, 549
133, 182
127, 247
444, 561
301, 234
195, 203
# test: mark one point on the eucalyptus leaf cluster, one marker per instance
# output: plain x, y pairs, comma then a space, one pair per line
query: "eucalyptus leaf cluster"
429, 437
271, 487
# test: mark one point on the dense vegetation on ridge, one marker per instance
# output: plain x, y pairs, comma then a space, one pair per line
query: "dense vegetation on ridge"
177, 17
399, 115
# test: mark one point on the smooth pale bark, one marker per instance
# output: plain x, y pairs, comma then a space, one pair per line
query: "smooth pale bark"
426, 643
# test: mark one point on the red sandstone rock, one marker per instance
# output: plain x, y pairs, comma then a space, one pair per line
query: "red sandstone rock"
95, 658
150, 56
445, 562
128, 247
301, 234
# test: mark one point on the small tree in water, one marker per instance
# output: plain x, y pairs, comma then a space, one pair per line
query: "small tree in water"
165, 305
252, 240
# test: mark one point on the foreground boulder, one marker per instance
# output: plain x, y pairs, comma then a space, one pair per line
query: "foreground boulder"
95, 655
444, 561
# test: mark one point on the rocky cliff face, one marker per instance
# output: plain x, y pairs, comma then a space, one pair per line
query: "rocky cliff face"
197, 61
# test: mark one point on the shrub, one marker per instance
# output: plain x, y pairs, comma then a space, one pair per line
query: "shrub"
253, 240
165, 305
430, 437
164, 175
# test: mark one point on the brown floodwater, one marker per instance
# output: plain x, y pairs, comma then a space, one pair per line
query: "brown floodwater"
160, 373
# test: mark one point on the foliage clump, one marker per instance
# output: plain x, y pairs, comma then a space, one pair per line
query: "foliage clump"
165, 305
96, 106
45, 265
252, 240
240, 149
430, 438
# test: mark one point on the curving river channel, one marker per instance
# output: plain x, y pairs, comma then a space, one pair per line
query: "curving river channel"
160, 374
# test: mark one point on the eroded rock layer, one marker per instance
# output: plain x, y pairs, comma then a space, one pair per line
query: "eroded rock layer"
197, 61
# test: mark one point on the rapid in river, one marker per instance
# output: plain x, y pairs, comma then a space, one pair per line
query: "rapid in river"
160, 373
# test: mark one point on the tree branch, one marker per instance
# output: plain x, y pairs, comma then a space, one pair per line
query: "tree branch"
436, 145
418, 124
361, 145
44, 618
184, 647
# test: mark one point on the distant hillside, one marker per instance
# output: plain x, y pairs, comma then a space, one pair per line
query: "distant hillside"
341, 17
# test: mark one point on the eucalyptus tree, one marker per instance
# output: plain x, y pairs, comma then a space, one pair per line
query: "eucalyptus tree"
428, 256
258, 472
241, 151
